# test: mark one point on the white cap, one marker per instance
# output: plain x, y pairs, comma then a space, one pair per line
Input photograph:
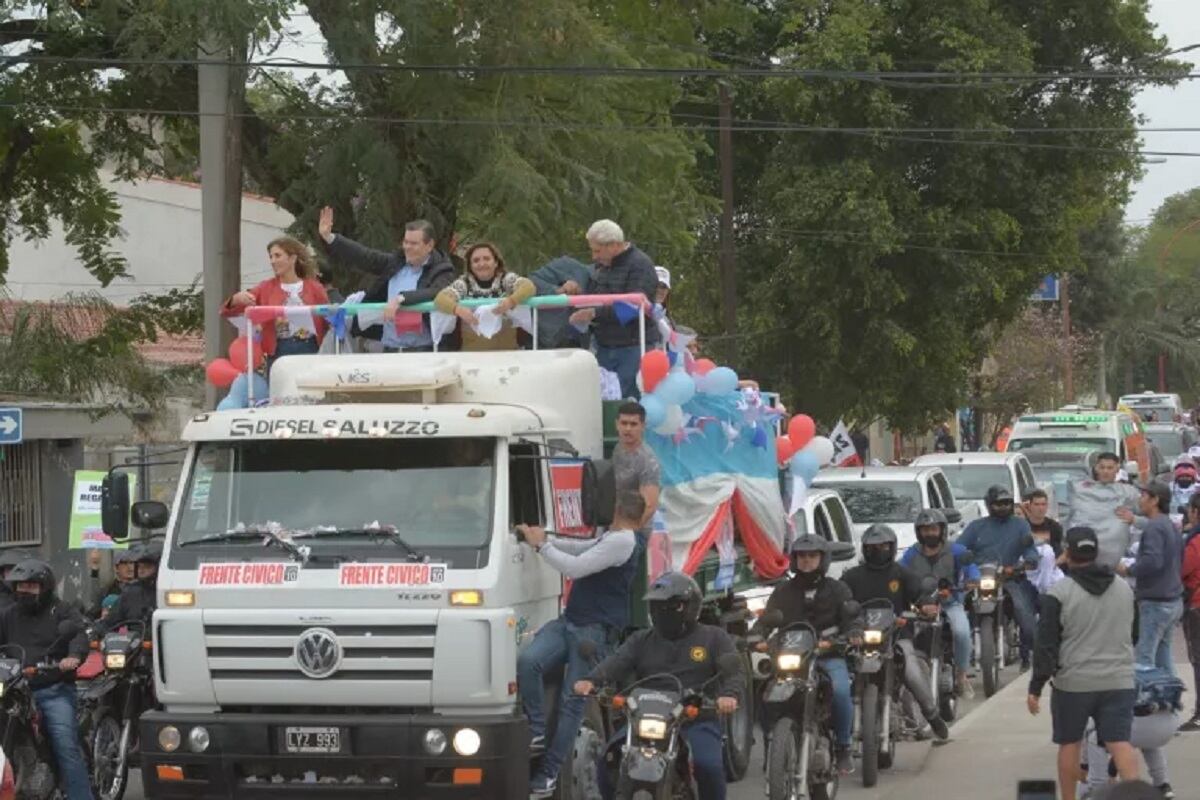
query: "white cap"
664, 276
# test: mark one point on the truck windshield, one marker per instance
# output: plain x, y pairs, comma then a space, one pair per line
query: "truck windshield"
434, 493
971, 481
879, 501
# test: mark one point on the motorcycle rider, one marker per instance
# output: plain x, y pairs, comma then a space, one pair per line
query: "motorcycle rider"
33, 623
1183, 486
1007, 541
810, 596
676, 643
949, 564
9, 558
139, 597
880, 577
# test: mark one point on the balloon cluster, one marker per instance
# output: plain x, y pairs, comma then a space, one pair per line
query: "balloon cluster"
666, 388
222, 372
802, 449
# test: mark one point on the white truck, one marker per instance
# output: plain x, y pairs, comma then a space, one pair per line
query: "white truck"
342, 597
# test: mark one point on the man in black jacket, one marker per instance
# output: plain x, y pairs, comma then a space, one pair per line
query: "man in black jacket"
139, 597
821, 601
679, 645
49, 630
414, 275
881, 577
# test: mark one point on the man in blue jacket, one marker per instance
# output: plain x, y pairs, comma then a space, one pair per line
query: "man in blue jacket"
1007, 541
949, 565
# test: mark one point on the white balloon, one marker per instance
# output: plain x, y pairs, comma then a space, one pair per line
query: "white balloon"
672, 423
821, 448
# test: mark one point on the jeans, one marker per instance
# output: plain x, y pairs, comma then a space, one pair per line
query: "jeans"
704, 738
554, 647
843, 703
625, 361
57, 706
1024, 603
1156, 620
960, 629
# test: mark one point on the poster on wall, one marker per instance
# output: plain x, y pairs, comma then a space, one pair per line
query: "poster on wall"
86, 531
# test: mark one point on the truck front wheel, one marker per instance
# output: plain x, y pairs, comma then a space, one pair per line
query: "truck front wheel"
578, 779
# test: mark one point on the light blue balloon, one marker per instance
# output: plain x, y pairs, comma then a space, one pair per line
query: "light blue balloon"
656, 410
721, 380
676, 389
239, 397
805, 465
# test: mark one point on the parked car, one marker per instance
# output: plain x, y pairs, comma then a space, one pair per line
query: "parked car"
893, 495
1171, 438
971, 474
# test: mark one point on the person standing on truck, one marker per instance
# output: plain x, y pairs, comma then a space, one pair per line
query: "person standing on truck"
677, 644
597, 611
1105, 505
621, 268
562, 275
635, 466
34, 623
414, 275
486, 278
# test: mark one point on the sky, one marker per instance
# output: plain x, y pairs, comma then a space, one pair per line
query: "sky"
1178, 107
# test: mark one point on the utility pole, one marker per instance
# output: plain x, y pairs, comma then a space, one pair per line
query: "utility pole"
727, 264
221, 91
1064, 296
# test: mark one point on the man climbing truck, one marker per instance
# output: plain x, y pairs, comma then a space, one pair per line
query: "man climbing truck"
342, 594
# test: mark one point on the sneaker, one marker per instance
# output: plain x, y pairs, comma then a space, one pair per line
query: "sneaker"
537, 745
923, 734
845, 762
542, 786
939, 727
1191, 725
965, 689
1167, 792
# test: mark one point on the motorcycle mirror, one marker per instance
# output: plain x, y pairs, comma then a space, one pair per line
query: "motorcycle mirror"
852, 608
729, 664
772, 618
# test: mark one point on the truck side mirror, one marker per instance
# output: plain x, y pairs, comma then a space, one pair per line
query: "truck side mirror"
114, 506
599, 493
150, 515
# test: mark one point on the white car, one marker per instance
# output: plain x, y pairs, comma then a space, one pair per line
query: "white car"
892, 495
825, 514
971, 474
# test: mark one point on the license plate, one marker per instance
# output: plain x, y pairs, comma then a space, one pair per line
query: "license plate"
312, 740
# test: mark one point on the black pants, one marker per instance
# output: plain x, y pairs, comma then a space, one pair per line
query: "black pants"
1191, 632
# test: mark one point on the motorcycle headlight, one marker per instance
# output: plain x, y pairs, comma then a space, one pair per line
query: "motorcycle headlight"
651, 728
788, 662
114, 661
873, 637
987, 584
1, 690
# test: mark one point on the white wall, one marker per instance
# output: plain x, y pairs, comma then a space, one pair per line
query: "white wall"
161, 224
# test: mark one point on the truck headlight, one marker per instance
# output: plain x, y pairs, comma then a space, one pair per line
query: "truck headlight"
652, 728
434, 742
169, 738
198, 739
466, 742
987, 584
114, 661
788, 662
873, 637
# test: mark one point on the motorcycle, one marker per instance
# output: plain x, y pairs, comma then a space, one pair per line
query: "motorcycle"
801, 749
875, 690
29, 757
996, 635
111, 705
655, 763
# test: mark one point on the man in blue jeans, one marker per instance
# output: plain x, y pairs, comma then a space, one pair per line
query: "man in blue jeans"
36, 623
602, 572
1158, 570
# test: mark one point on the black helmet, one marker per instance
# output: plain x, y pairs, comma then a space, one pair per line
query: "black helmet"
11, 556
879, 545
929, 518
810, 543
674, 601
32, 570
126, 556
995, 496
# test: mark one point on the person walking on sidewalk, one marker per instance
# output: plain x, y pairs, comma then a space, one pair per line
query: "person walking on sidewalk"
1085, 645
1191, 617
1159, 583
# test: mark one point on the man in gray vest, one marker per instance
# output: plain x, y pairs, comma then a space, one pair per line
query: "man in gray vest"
1085, 645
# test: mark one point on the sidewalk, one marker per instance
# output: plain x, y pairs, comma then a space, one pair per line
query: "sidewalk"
1000, 744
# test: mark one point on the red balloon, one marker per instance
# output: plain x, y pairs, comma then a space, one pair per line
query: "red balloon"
784, 449
237, 354
655, 366
801, 430
221, 373
704, 366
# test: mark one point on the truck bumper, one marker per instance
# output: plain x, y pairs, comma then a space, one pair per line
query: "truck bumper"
382, 755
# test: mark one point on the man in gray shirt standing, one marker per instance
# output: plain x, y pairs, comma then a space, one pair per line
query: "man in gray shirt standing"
1158, 570
1085, 644
635, 464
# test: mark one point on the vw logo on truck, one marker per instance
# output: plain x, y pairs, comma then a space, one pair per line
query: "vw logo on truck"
318, 653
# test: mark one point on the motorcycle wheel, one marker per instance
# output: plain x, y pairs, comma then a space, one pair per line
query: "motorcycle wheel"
108, 780
888, 757
783, 759
739, 734
869, 731
987, 655
948, 704
829, 789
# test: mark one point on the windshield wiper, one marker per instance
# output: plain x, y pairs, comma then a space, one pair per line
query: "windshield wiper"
375, 533
251, 533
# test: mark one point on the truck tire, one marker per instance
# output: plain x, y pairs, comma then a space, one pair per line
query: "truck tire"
987, 655
738, 728
578, 776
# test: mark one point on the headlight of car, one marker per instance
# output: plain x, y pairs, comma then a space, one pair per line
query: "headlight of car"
873, 637
788, 662
652, 728
987, 584
114, 661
